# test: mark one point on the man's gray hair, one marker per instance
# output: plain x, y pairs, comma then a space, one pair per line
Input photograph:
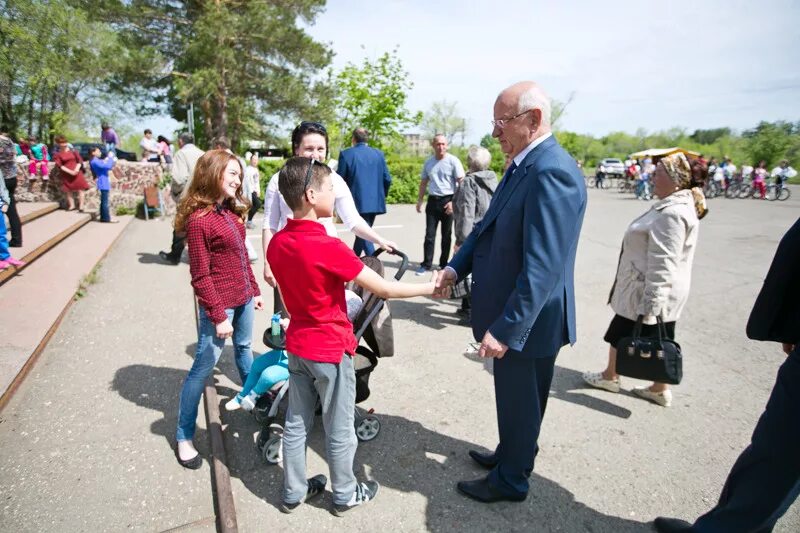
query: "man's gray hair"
478, 158
535, 98
186, 138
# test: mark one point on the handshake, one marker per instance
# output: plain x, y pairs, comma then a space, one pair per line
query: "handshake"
443, 282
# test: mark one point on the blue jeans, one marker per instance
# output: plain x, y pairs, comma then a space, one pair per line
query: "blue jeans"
267, 370
105, 216
360, 245
3, 239
209, 348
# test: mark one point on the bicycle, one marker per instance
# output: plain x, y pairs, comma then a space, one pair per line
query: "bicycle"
778, 191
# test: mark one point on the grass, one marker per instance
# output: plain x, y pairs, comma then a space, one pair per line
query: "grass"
89, 279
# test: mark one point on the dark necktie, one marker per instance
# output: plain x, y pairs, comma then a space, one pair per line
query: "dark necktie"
507, 177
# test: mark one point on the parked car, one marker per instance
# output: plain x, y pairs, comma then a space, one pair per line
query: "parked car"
610, 168
85, 148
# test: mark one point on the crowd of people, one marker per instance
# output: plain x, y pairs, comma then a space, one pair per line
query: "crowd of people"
712, 175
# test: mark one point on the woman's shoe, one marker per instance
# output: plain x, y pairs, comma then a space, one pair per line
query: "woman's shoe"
4, 265
596, 379
192, 464
664, 398
15, 262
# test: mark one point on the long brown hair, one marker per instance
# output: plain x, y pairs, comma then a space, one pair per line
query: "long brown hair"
206, 188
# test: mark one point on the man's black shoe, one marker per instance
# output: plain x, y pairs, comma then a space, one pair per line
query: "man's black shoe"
486, 460
672, 525
482, 491
14, 244
168, 258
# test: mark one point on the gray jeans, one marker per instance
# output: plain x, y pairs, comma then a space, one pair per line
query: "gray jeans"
336, 387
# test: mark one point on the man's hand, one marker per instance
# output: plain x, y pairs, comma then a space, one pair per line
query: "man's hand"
491, 347
268, 277
448, 208
419, 206
389, 246
445, 281
258, 302
788, 348
224, 329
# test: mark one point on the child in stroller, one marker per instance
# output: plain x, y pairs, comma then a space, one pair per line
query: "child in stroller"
372, 322
272, 367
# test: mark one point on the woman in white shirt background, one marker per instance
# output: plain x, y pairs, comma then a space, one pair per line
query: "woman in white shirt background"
251, 187
310, 139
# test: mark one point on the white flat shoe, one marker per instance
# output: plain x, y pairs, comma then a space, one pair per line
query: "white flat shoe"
664, 399
596, 379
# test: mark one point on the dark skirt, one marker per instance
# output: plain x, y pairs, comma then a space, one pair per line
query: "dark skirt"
621, 327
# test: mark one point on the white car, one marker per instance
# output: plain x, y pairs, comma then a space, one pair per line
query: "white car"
610, 168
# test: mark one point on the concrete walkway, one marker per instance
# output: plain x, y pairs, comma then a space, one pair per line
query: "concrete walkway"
86, 442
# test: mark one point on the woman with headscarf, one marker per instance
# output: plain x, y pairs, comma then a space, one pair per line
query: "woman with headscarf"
655, 269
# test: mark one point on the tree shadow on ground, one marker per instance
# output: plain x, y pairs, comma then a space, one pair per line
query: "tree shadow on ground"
158, 388
564, 386
147, 258
428, 314
411, 458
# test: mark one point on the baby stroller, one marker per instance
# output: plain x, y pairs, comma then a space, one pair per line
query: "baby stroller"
373, 325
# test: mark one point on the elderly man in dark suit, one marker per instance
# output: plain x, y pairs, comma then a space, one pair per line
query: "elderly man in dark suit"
522, 259
765, 480
364, 170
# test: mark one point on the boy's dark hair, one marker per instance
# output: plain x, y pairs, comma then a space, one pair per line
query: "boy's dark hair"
294, 175
148, 130
94, 149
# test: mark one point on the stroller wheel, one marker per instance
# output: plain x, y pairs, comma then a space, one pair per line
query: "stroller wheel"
367, 428
273, 450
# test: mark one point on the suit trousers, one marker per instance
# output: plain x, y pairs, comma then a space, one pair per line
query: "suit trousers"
361, 245
521, 387
434, 214
765, 480
178, 244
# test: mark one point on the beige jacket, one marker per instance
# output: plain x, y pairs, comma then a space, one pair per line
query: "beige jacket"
655, 265
182, 169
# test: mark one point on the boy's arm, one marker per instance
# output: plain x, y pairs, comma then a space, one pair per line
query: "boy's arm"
370, 280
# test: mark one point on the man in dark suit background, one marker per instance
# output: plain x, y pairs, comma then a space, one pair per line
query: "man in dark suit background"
765, 480
365, 172
522, 259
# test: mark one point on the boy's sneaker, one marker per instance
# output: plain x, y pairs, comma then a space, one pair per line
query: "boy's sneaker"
365, 493
316, 486
421, 271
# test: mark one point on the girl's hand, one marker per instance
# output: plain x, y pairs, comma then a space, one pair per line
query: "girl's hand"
258, 302
224, 329
387, 245
285, 323
431, 285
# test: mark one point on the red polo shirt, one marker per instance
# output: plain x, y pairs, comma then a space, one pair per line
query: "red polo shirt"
311, 269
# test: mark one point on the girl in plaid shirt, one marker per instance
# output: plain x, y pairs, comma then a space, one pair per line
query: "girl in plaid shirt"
213, 215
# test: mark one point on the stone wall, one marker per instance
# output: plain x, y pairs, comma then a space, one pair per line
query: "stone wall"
127, 190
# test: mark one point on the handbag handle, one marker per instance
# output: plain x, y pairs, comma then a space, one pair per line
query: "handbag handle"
661, 330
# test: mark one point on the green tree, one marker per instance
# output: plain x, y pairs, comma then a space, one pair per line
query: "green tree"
246, 66
769, 141
443, 118
373, 96
53, 63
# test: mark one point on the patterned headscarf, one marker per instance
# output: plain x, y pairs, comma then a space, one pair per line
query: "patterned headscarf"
678, 168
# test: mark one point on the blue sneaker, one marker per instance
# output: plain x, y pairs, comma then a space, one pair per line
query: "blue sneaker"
421, 271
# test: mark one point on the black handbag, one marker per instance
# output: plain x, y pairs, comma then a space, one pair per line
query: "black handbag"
654, 359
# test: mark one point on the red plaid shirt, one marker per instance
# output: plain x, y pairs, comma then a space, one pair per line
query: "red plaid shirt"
221, 273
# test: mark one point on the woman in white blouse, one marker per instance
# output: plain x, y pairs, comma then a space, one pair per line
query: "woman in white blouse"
310, 139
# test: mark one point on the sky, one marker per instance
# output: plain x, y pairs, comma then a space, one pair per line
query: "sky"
628, 64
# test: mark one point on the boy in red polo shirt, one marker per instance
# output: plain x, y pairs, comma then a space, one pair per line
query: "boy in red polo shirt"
311, 269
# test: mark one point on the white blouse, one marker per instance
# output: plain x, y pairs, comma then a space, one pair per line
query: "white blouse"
276, 211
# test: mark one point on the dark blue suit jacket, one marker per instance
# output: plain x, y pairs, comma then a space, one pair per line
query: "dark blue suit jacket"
776, 313
365, 172
522, 255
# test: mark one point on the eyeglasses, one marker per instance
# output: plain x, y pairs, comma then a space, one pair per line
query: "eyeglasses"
307, 181
500, 123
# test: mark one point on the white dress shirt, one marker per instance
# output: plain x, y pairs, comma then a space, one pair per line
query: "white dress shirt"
276, 211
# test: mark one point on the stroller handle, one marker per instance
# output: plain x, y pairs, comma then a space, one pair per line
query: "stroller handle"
403, 261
